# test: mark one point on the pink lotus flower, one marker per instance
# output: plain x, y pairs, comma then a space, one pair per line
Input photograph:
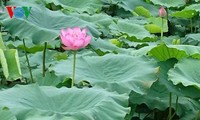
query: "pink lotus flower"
162, 12
74, 38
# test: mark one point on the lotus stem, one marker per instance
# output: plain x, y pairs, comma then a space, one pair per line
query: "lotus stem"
27, 59
175, 107
161, 36
170, 106
74, 65
44, 59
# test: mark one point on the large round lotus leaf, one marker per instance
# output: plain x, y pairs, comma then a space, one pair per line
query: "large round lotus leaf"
52, 103
121, 73
187, 72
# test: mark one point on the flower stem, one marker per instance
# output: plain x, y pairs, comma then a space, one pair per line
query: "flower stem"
161, 36
74, 65
29, 67
44, 59
170, 106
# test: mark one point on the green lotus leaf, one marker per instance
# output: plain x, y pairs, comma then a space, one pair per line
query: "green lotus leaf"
50, 79
194, 36
121, 73
179, 89
130, 5
190, 50
184, 14
186, 72
143, 50
106, 46
31, 101
162, 53
130, 29
102, 21
192, 39
80, 6
195, 7
152, 28
140, 10
157, 22
169, 3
